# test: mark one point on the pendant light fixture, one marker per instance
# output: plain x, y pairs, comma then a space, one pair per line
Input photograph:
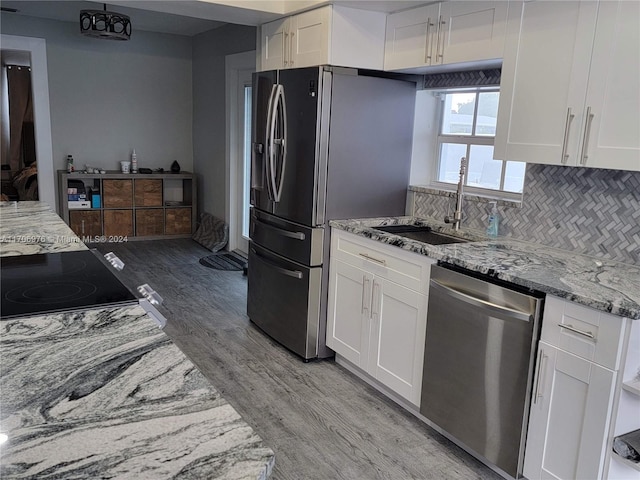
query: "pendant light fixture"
104, 24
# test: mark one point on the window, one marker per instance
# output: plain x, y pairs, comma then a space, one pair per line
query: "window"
467, 129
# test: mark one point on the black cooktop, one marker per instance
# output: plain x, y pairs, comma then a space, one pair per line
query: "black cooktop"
57, 282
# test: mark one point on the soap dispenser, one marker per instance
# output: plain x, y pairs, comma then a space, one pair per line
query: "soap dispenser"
494, 220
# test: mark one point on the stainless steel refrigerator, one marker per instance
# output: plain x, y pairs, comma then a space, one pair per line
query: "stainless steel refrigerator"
327, 143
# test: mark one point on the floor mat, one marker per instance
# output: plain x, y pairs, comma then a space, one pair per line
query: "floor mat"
224, 261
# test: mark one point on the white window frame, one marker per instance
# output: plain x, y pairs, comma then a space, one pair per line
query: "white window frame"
465, 140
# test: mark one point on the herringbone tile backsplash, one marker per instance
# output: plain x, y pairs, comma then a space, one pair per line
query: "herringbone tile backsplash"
590, 211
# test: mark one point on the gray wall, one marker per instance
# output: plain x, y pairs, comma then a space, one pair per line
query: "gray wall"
590, 211
209, 132
108, 97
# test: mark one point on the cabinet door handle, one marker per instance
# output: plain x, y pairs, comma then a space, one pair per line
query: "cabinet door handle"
284, 48
291, 49
82, 228
542, 359
427, 42
373, 259
365, 289
440, 46
573, 329
567, 126
585, 140
375, 301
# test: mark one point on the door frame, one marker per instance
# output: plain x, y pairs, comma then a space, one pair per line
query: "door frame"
236, 67
37, 49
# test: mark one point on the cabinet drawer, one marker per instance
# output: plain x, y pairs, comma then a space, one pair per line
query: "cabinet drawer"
118, 223
408, 269
591, 334
149, 221
178, 221
117, 193
86, 222
148, 193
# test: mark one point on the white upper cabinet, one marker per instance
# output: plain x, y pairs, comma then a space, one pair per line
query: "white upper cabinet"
274, 41
472, 31
309, 38
445, 33
545, 67
569, 78
298, 41
332, 35
613, 93
410, 38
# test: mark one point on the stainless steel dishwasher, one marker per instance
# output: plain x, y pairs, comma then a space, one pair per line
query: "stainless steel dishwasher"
479, 360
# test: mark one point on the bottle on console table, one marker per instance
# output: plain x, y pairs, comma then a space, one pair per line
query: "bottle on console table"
134, 162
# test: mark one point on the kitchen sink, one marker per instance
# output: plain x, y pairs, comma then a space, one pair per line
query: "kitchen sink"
421, 233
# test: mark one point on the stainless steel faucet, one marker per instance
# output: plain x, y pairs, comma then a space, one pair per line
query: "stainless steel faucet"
457, 215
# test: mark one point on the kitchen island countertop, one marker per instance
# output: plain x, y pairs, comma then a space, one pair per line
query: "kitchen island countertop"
104, 393
29, 228
597, 283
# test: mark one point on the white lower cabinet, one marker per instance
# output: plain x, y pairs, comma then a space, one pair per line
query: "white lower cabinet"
577, 388
377, 324
348, 322
396, 342
628, 416
570, 417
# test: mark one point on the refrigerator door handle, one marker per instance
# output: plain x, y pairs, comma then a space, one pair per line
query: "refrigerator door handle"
291, 273
283, 117
285, 233
270, 142
272, 123
278, 125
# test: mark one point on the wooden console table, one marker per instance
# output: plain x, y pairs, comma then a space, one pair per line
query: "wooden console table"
131, 205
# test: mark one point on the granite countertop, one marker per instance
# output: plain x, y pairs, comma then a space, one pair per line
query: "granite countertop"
27, 228
597, 283
106, 394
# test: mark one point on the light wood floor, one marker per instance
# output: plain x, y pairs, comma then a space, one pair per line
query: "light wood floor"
321, 421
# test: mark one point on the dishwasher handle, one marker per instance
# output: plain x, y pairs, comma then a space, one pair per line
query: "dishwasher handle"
484, 304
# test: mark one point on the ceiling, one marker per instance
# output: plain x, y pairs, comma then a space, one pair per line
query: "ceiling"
146, 20
191, 17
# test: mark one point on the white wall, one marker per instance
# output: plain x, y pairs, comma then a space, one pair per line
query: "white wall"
108, 97
209, 130
425, 129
